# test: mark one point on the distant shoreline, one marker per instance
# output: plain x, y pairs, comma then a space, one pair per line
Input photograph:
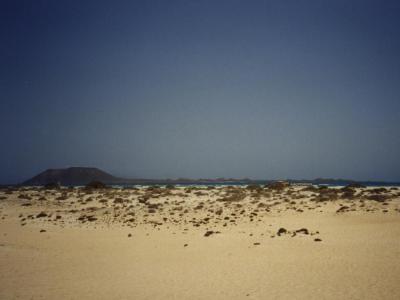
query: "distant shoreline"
80, 176
224, 183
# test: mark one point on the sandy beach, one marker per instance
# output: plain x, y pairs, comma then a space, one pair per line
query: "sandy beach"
276, 242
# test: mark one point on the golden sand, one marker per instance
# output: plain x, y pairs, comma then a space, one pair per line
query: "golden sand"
200, 243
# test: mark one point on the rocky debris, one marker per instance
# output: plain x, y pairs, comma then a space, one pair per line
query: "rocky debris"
41, 215
210, 232
317, 240
293, 233
281, 231
219, 211
42, 230
342, 209
134, 207
84, 218
302, 230
130, 235
91, 218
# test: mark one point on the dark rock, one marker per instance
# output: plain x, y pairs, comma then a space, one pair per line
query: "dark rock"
219, 212
281, 231
342, 209
303, 231
91, 218
209, 232
41, 215
71, 176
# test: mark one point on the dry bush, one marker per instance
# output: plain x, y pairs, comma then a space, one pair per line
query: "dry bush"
310, 188
254, 187
96, 185
51, 186
378, 197
277, 185
327, 194
62, 197
233, 195
355, 185
24, 196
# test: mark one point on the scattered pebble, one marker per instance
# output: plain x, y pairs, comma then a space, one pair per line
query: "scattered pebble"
281, 231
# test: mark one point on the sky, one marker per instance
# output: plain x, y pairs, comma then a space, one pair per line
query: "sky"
201, 89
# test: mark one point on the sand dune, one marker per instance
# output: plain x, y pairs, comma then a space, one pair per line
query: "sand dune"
200, 243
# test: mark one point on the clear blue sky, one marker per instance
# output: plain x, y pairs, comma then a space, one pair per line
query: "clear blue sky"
156, 89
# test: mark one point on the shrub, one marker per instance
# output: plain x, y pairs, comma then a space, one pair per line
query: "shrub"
52, 186
278, 185
96, 185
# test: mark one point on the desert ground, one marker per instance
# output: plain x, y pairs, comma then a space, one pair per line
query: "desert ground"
199, 242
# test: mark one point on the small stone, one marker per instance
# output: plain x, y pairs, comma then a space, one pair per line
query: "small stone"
342, 209
208, 233
41, 215
281, 231
302, 230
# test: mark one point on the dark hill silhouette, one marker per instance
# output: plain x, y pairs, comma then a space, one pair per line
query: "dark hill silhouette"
72, 176
82, 176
